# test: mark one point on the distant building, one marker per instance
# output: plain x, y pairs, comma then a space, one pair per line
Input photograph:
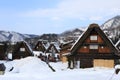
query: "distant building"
18, 50
65, 49
21, 50
40, 47
52, 53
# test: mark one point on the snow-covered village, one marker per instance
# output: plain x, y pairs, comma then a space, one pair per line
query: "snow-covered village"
63, 39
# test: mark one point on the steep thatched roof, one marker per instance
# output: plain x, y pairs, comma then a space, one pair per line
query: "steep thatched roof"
96, 28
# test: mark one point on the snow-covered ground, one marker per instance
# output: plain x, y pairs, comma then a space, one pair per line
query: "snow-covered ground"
32, 68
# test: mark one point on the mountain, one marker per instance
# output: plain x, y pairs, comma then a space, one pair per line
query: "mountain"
71, 34
111, 23
112, 28
13, 36
49, 37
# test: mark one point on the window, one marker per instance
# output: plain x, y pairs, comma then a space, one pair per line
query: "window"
37, 47
93, 46
22, 49
102, 47
93, 37
85, 46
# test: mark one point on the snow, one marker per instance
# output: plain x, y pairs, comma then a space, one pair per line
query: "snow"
30, 64
10, 56
12, 36
108, 24
37, 53
32, 68
3, 38
117, 42
78, 39
58, 66
117, 67
15, 37
28, 47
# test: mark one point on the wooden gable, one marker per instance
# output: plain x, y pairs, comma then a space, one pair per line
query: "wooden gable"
21, 50
39, 47
93, 41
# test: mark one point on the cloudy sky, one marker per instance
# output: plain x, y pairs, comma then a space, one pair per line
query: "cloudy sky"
54, 16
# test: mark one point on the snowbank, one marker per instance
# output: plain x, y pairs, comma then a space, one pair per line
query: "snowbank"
117, 67
28, 65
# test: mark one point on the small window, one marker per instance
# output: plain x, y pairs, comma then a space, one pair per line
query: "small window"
22, 49
102, 47
93, 37
93, 46
85, 46
37, 47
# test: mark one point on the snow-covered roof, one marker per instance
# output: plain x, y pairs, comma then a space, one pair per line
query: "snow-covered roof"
28, 46
65, 54
113, 44
68, 42
116, 49
117, 42
56, 45
47, 45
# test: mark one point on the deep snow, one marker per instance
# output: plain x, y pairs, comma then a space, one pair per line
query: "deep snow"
32, 68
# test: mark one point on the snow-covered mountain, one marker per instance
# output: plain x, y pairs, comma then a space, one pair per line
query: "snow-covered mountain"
71, 34
112, 28
111, 23
13, 36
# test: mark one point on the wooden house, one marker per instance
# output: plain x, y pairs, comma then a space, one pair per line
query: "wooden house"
3, 47
93, 49
65, 49
52, 53
2, 69
39, 47
21, 50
